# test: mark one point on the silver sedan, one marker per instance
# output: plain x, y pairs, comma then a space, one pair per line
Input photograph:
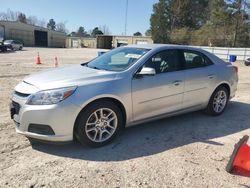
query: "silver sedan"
129, 85
13, 44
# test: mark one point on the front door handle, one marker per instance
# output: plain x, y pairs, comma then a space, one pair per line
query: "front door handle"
177, 82
211, 76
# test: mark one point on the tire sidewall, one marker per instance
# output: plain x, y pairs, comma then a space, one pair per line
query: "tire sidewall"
80, 132
210, 110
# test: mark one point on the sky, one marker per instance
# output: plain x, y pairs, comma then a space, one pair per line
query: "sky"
88, 13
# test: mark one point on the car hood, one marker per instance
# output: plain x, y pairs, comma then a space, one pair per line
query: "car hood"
68, 76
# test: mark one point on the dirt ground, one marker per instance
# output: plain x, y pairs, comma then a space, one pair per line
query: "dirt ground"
190, 150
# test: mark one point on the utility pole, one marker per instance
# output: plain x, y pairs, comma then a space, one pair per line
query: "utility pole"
126, 17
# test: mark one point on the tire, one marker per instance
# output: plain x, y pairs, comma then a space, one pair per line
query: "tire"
218, 101
5, 49
91, 125
20, 48
247, 63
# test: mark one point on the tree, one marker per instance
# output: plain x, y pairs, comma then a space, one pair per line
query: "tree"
137, 33
32, 20
73, 34
96, 31
22, 18
81, 32
61, 27
148, 32
52, 24
160, 21
181, 36
105, 29
189, 13
41, 23
204, 36
240, 17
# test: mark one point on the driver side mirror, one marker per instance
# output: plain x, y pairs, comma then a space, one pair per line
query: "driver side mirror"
146, 71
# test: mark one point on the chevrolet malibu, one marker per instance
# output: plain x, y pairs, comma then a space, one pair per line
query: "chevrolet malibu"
129, 85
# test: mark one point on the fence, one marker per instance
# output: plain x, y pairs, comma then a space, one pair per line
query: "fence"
224, 53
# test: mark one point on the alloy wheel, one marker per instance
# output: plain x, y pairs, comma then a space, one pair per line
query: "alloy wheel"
220, 101
101, 125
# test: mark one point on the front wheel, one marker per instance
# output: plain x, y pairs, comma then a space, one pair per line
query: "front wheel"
98, 124
218, 101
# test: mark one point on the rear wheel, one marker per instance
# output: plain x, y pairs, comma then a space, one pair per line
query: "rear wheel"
218, 101
98, 124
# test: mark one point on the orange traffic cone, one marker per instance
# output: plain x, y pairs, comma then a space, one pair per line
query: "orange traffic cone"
38, 60
239, 162
56, 62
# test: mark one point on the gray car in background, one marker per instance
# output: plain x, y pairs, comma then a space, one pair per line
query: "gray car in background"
247, 62
13, 44
129, 85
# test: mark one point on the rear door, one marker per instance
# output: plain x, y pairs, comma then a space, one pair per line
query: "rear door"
200, 76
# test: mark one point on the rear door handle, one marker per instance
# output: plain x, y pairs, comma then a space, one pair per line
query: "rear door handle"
177, 82
211, 76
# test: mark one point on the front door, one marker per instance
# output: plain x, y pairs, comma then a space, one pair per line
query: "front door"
161, 93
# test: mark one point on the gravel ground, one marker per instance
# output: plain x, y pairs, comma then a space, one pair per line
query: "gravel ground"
190, 150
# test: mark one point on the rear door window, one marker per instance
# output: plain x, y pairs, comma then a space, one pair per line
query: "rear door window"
193, 59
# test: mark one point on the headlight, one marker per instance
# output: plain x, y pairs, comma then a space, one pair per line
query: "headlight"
48, 97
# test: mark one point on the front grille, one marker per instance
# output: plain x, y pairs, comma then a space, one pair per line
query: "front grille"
16, 107
21, 94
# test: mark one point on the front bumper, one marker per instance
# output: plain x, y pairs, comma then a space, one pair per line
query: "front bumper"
59, 117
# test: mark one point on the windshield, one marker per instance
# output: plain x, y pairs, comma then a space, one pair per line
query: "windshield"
7, 41
118, 59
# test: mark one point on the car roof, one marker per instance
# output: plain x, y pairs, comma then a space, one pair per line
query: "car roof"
166, 46
156, 47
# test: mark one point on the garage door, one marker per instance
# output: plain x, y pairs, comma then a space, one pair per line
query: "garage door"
1, 32
41, 38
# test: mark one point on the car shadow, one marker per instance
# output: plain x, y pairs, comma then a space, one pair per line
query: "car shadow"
158, 136
8, 52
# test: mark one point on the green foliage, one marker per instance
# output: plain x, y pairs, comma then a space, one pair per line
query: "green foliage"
181, 36
201, 22
81, 32
137, 33
203, 36
160, 21
148, 32
188, 13
52, 24
96, 31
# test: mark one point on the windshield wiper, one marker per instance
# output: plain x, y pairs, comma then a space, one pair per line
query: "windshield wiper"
93, 67
85, 64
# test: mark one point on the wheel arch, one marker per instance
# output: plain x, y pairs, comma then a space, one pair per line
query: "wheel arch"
226, 85
106, 98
